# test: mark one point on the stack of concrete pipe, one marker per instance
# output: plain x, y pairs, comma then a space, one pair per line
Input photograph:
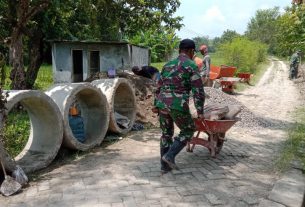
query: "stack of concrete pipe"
49, 112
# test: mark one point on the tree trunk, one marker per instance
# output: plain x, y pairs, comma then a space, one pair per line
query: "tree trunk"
17, 75
35, 56
21, 13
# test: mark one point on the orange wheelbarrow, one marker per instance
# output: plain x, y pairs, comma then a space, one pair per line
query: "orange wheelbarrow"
215, 130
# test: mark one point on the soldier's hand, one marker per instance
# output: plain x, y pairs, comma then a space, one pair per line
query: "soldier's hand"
200, 116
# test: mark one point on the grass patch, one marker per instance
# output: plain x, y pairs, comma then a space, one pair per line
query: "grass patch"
216, 59
259, 72
44, 78
17, 126
43, 81
294, 147
16, 131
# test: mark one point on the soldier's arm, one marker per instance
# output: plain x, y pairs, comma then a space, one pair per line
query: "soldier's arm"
208, 63
197, 90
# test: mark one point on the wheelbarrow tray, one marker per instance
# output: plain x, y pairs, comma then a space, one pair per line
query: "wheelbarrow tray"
217, 72
215, 129
228, 84
214, 126
244, 77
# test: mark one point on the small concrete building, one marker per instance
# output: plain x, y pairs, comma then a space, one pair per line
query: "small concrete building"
75, 61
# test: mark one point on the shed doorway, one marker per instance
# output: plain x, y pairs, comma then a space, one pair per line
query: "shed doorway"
94, 62
77, 56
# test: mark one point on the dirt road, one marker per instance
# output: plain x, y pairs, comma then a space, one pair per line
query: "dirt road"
275, 96
127, 173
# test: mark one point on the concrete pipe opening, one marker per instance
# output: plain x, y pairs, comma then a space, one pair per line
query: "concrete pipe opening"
92, 111
46, 129
122, 105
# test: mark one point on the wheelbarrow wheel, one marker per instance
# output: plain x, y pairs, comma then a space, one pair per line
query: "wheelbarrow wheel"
220, 142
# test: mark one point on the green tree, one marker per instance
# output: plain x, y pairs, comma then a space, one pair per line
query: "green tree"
31, 23
201, 41
291, 30
227, 36
17, 15
263, 27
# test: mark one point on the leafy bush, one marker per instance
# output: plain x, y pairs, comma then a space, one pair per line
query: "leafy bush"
162, 43
243, 54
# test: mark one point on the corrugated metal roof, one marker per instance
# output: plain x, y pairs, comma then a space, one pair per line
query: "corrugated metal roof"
95, 42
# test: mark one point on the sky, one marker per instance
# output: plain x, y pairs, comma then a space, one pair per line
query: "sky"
212, 17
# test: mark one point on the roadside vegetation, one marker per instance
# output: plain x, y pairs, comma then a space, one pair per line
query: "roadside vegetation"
294, 147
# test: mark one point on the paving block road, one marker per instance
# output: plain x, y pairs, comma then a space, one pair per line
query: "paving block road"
127, 173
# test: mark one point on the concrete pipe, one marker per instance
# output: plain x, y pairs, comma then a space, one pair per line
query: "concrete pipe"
93, 108
46, 129
121, 99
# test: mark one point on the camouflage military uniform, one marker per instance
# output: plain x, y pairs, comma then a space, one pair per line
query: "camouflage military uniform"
294, 64
178, 78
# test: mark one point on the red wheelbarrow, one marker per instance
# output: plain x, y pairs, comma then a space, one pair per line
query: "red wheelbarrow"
244, 77
215, 129
228, 84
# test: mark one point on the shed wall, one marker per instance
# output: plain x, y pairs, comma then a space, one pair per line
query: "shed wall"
139, 56
111, 56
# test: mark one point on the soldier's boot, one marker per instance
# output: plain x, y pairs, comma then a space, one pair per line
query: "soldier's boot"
169, 157
292, 72
296, 73
164, 166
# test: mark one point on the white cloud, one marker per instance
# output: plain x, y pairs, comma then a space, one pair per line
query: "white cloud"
213, 14
212, 18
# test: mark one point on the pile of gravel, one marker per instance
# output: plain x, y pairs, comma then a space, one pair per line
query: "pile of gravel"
248, 118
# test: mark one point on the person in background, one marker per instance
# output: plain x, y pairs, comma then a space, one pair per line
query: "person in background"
147, 72
294, 64
198, 62
178, 78
206, 63
76, 124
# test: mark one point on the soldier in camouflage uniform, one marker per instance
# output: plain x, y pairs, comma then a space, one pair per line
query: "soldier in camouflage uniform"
178, 78
294, 65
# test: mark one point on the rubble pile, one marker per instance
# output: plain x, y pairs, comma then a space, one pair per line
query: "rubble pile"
144, 91
248, 118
